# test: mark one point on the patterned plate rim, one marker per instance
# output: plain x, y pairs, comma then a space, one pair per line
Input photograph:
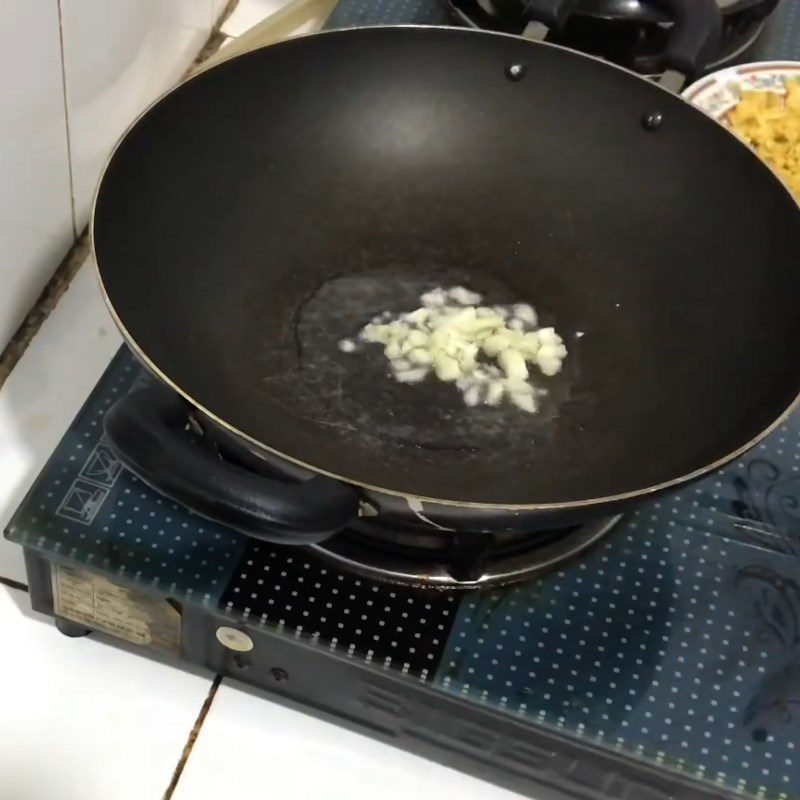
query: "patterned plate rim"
718, 85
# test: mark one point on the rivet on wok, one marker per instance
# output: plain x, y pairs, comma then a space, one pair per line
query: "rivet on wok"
516, 72
652, 120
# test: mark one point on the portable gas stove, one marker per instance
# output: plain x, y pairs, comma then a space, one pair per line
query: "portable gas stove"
663, 661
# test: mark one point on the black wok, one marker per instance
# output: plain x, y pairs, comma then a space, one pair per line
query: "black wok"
272, 205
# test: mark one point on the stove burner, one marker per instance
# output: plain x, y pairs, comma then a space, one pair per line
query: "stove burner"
631, 36
449, 560
424, 556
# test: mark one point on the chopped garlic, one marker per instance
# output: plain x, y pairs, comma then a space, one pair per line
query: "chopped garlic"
446, 367
473, 395
513, 364
549, 366
411, 375
526, 402
525, 313
548, 336
419, 356
496, 343
456, 339
552, 351
416, 338
494, 394
434, 299
464, 296
393, 350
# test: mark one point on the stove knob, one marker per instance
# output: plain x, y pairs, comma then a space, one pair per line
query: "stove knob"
234, 640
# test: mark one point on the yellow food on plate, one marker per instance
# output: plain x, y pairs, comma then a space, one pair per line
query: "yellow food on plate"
770, 124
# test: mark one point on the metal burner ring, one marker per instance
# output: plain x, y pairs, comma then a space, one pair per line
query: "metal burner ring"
395, 568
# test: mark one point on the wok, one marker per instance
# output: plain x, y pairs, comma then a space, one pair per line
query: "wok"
272, 205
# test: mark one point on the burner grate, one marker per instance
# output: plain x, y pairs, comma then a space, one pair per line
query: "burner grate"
461, 561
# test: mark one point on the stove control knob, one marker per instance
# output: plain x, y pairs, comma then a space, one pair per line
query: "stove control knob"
234, 640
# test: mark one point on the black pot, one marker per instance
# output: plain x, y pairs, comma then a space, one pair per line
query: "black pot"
211, 338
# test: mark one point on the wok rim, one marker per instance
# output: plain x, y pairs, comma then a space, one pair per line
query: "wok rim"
623, 497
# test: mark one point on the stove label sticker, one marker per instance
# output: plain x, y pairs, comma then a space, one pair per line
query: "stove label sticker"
128, 614
82, 502
102, 466
90, 488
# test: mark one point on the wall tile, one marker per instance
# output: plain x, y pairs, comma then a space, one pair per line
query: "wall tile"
217, 7
120, 56
35, 216
44, 392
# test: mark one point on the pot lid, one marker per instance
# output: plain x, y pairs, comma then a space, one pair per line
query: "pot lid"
633, 10
643, 11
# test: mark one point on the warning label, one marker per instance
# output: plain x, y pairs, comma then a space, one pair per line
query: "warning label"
129, 614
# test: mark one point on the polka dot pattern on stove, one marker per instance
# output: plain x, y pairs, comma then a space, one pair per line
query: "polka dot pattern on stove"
301, 594
357, 13
676, 640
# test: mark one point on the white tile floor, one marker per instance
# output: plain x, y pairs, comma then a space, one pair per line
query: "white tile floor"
252, 747
82, 719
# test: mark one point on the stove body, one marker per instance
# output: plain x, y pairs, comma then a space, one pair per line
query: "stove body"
663, 661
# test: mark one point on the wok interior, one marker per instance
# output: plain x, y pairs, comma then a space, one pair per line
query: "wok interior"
273, 205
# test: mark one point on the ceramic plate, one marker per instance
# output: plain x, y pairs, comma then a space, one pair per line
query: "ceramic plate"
718, 93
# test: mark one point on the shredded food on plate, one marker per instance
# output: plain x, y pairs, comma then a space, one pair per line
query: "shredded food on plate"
770, 123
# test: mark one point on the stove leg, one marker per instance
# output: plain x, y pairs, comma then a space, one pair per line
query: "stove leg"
70, 628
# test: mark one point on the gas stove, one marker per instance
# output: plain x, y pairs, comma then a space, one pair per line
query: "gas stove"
664, 660
628, 32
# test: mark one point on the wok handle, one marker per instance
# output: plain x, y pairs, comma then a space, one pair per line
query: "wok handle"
694, 36
148, 431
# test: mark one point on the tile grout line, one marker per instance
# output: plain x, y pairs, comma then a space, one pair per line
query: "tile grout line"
193, 734
45, 303
12, 584
78, 252
66, 122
